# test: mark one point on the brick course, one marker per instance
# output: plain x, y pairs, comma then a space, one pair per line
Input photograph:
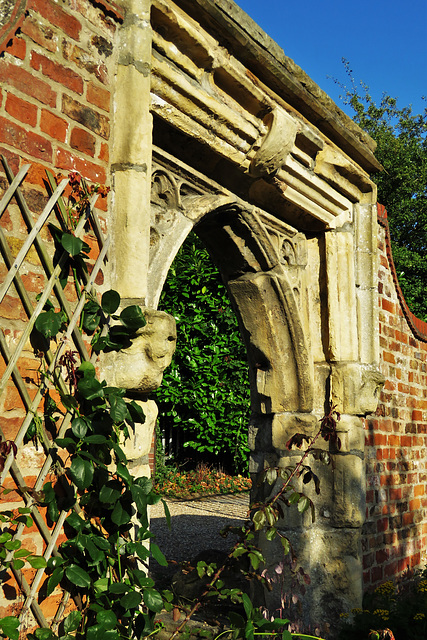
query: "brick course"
54, 112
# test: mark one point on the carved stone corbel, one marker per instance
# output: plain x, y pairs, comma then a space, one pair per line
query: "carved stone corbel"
276, 146
139, 368
355, 388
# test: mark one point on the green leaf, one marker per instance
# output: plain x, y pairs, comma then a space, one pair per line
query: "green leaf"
167, 513
286, 635
37, 562
106, 618
90, 388
12, 545
120, 515
118, 409
4, 537
123, 473
131, 600
255, 561
75, 521
139, 497
259, 519
79, 427
110, 492
54, 579
87, 369
158, 555
49, 323
96, 439
78, 576
9, 627
153, 600
294, 498
44, 634
145, 483
64, 442
270, 534
81, 472
286, 545
118, 587
101, 585
132, 318
110, 301
99, 632
72, 621
55, 561
247, 604
18, 564
71, 244
91, 321
101, 543
136, 412
303, 504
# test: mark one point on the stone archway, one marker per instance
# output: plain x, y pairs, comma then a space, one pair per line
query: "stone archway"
242, 146
284, 284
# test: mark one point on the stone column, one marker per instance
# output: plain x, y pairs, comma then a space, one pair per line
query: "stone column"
138, 368
131, 157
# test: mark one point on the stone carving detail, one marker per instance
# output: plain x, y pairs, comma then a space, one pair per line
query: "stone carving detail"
164, 190
355, 388
276, 146
139, 368
165, 202
288, 253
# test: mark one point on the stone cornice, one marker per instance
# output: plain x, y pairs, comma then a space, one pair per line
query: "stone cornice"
253, 47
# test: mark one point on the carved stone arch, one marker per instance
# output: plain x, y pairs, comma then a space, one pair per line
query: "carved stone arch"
272, 323
262, 288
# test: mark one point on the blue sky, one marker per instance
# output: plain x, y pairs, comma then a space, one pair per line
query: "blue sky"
384, 41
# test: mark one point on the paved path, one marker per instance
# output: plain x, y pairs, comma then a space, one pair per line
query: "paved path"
196, 524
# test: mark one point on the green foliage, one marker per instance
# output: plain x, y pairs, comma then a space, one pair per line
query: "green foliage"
104, 560
100, 558
402, 186
399, 608
205, 392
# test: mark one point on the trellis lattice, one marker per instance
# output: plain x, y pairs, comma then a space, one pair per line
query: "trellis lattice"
30, 277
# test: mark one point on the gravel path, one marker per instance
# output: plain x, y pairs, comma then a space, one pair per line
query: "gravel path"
196, 524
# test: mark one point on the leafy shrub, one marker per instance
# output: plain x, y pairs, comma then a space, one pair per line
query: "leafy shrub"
399, 607
205, 391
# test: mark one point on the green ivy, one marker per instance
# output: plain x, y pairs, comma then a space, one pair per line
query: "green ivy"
205, 392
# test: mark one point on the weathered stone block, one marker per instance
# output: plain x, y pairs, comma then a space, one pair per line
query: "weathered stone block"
138, 444
140, 367
355, 388
332, 560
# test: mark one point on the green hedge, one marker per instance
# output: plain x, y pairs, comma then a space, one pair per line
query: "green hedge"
205, 391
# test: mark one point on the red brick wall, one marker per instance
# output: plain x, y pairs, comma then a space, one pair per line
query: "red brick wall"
56, 72
57, 66
396, 454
